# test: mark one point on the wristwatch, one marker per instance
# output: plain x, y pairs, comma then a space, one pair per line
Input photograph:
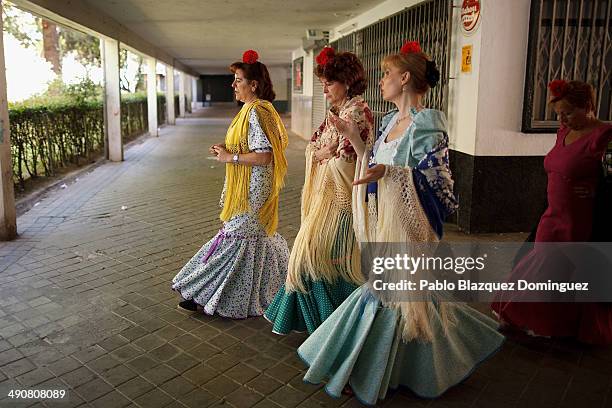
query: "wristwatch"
235, 159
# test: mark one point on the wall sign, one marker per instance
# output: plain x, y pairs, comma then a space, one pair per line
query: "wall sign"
298, 75
466, 59
470, 15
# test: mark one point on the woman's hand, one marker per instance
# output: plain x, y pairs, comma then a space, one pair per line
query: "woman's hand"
349, 129
212, 150
372, 174
326, 152
223, 155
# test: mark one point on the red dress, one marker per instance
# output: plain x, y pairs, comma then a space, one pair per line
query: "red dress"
568, 218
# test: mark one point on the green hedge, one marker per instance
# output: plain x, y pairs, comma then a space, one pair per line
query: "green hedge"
48, 135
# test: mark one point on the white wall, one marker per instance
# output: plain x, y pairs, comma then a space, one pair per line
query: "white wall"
503, 57
463, 90
301, 103
279, 76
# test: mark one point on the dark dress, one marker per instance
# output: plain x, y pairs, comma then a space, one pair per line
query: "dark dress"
568, 218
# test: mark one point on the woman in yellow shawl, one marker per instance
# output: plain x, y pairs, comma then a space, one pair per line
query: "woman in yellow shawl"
238, 272
324, 262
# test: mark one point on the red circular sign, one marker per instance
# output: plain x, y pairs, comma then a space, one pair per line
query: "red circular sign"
470, 15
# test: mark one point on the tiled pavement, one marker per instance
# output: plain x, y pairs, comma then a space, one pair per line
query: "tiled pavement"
86, 305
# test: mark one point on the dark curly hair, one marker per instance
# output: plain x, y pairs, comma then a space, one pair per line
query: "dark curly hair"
345, 67
256, 72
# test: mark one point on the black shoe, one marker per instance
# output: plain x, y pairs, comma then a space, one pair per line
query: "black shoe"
188, 304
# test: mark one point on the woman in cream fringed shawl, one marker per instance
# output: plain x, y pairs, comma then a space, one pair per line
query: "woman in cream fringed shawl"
324, 262
403, 192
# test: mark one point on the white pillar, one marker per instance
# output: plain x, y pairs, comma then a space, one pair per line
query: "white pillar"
188, 92
8, 216
112, 99
152, 95
181, 77
170, 95
194, 92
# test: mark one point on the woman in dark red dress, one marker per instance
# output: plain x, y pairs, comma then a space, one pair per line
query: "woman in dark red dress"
574, 169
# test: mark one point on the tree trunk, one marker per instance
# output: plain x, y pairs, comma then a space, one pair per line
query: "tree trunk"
51, 45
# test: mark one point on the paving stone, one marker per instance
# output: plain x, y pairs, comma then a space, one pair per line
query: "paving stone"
135, 387
118, 375
241, 373
149, 342
204, 351
186, 342
264, 384
34, 377
165, 352
221, 386
64, 365
18, 367
287, 396
101, 364
113, 342
10, 355
154, 399
244, 398
142, 363
160, 374
78, 377
93, 390
127, 352
178, 387
182, 362
282, 372
111, 400
199, 398
88, 354
201, 374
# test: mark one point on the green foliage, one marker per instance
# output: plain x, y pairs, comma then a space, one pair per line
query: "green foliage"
52, 130
87, 47
13, 24
20, 24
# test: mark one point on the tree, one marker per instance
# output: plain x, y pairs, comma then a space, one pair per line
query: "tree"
12, 25
51, 50
87, 47
56, 41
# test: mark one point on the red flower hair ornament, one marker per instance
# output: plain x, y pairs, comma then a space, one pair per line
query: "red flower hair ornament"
410, 47
250, 57
558, 88
326, 55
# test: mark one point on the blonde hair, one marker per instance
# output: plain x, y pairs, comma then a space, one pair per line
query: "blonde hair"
413, 62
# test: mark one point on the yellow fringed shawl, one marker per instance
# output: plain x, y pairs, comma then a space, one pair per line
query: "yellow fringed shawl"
238, 176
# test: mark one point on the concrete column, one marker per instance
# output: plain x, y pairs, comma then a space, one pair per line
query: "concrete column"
181, 77
170, 95
112, 99
152, 95
194, 92
188, 92
8, 216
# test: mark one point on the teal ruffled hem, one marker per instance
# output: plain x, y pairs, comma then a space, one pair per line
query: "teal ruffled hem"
297, 311
360, 344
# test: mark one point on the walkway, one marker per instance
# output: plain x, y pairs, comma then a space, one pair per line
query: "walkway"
86, 305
